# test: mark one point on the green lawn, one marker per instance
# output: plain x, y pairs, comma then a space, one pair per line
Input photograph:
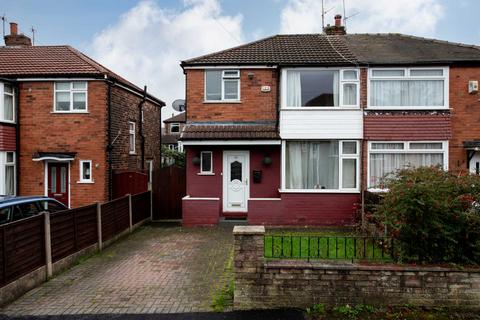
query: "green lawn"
326, 245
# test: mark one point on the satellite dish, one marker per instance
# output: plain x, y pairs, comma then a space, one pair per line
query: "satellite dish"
178, 105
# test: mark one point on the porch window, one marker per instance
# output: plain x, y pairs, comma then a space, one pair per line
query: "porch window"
71, 96
409, 88
175, 128
387, 157
7, 113
131, 137
322, 88
222, 85
322, 165
86, 171
206, 162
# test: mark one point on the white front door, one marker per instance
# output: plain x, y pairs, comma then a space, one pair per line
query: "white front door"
235, 180
475, 163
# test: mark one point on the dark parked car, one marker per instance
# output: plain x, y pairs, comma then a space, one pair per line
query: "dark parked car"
16, 208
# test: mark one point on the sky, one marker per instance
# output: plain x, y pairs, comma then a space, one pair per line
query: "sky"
144, 41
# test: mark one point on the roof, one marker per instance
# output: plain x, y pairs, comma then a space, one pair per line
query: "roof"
199, 131
170, 138
55, 61
178, 118
357, 49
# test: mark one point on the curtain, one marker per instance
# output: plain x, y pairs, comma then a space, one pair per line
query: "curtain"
9, 180
335, 88
294, 89
312, 165
382, 164
349, 94
407, 93
8, 107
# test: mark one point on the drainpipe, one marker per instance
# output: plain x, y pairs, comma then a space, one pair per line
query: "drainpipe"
142, 136
277, 120
109, 145
17, 139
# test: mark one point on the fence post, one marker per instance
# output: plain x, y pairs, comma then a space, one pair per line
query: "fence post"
99, 226
48, 245
130, 212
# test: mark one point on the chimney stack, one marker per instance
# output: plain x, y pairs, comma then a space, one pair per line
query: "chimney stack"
15, 39
337, 29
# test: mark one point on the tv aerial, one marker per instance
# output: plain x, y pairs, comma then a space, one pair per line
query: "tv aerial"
179, 105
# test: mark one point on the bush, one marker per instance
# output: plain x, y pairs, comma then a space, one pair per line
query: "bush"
434, 215
173, 157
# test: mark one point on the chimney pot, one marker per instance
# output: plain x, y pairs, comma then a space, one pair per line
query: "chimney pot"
338, 20
13, 28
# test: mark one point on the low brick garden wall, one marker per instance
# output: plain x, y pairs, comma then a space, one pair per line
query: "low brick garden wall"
260, 283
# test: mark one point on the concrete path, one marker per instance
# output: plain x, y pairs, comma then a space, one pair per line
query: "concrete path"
155, 270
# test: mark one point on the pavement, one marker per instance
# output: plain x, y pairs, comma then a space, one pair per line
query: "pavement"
156, 269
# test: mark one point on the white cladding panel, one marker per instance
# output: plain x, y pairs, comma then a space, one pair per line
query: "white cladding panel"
321, 124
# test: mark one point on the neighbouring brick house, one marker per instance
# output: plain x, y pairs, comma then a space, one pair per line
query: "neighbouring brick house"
171, 132
69, 124
291, 129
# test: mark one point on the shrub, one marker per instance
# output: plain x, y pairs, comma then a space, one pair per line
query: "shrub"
173, 157
433, 215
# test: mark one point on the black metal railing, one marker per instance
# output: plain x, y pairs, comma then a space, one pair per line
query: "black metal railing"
329, 247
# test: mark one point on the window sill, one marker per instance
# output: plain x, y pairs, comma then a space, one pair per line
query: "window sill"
318, 108
70, 112
132, 153
406, 108
206, 174
85, 182
316, 191
7, 121
222, 101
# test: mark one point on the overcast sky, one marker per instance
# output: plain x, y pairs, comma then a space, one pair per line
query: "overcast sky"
145, 41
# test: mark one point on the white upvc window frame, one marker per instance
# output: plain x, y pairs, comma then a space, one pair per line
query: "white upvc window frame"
3, 169
223, 79
131, 132
2, 102
201, 163
82, 180
445, 77
175, 124
341, 157
406, 149
341, 82
71, 91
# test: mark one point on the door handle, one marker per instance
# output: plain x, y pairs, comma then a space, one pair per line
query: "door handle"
246, 181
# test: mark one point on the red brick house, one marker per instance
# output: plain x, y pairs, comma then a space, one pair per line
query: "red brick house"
291, 129
69, 124
171, 131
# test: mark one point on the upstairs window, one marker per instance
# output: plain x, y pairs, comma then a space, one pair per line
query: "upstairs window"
409, 88
222, 85
174, 127
71, 96
322, 88
131, 137
7, 112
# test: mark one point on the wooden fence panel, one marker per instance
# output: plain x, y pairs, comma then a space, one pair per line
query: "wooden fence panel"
129, 182
169, 189
73, 230
140, 207
115, 217
23, 247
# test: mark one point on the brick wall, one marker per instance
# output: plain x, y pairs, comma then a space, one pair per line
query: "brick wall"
254, 106
83, 133
261, 284
7, 137
125, 109
465, 110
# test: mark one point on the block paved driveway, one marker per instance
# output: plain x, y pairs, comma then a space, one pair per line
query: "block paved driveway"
155, 270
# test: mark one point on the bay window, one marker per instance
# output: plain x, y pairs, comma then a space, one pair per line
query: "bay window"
414, 88
7, 111
321, 165
385, 158
321, 88
222, 85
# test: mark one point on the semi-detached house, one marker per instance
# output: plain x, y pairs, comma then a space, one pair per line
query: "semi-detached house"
68, 125
291, 129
